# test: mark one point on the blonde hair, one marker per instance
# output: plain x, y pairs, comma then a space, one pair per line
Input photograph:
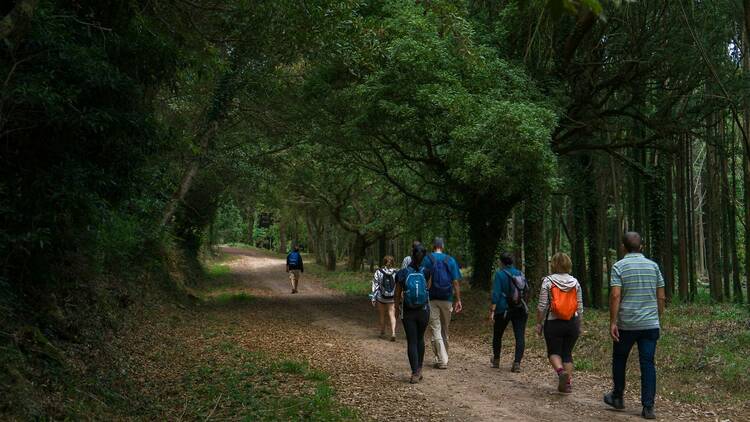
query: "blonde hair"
388, 261
561, 263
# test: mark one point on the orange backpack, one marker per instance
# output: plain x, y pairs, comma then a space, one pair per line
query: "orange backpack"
563, 304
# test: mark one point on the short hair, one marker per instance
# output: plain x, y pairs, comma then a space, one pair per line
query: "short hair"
561, 263
415, 243
631, 241
438, 243
295, 247
506, 258
388, 261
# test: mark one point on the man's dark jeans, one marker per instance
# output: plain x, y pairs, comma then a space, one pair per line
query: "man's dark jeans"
646, 340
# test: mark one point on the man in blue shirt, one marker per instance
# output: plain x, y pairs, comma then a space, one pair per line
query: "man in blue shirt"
443, 277
294, 266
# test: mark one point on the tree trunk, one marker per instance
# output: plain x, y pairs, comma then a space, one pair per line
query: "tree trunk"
668, 246
533, 233
682, 225
518, 212
746, 166
357, 253
486, 225
712, 227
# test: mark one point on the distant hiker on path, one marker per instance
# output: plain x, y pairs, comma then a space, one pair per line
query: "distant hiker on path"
444, 276
294, 267
412, 298
383, 293
407, 259
509, 296
636, 302
559, 316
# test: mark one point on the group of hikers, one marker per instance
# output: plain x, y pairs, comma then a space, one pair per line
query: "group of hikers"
425, 291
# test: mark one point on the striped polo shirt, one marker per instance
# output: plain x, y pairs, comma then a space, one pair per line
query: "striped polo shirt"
639, 277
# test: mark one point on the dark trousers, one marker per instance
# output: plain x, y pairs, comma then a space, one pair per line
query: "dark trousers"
518, 318
646, 340
415, 323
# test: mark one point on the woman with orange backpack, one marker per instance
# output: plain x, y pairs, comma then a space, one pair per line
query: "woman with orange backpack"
559, 317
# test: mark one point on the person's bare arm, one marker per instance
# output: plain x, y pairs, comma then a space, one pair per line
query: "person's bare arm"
615, 294
661, 300
457, 307
397, 298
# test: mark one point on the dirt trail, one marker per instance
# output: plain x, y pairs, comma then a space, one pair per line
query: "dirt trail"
468, 390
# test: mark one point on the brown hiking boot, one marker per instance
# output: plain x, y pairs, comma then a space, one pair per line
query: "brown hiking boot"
415, 378
516, 367
495, 363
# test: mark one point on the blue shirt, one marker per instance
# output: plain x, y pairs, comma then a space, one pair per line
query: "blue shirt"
501, 286
639, 278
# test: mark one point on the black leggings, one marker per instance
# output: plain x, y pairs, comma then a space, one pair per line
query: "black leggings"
415, 324
561, 336
518, 318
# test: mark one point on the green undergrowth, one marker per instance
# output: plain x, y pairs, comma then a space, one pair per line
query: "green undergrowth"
701, 355
354, 283
251, 386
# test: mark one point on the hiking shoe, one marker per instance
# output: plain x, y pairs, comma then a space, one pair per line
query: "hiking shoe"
568, 388
562, 381
294, 290
495, 363
648, 413
415, 378
516, 367
440, 366
613, 401
393, 338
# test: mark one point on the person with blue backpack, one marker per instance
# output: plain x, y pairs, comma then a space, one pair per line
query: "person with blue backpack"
444, 276
294, 267
412, 298
510, 293
383, 294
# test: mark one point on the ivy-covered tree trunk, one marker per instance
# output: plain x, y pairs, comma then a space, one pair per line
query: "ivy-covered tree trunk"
486, 225
357, 252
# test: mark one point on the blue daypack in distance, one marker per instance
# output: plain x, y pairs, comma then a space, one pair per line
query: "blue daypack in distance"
415, 294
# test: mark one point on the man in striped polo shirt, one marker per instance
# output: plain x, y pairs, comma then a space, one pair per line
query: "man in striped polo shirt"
636, 301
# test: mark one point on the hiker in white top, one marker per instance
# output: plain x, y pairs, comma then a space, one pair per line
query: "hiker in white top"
383, 291
559, 316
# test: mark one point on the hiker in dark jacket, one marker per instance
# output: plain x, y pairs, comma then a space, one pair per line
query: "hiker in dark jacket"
415, 318
502, 313
294, 267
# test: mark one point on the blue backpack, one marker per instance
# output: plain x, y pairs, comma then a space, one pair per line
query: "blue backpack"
415, 294
442, 279
294, 259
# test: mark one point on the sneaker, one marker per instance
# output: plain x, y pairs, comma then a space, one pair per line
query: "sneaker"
440, 366
414, 378
516, 367
393, 338
613, 401
495, 363
294, 290
562, 381
568, 388
648, 413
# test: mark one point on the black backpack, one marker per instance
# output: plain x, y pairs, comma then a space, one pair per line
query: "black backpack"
387, 284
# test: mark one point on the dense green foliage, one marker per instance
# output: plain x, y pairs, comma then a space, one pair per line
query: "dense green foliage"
129, 130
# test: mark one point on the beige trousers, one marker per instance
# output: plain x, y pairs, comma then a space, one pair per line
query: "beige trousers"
294, 278
440, 319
